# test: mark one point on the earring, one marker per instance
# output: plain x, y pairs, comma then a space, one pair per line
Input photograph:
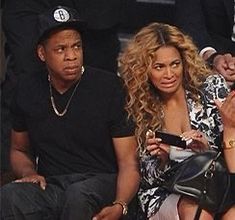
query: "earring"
82, 70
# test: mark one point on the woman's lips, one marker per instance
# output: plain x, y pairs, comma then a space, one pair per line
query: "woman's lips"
168, 83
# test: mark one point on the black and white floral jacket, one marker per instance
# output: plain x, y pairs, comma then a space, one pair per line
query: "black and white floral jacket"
204, 117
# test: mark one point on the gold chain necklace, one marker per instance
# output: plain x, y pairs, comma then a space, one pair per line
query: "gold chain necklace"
60, 114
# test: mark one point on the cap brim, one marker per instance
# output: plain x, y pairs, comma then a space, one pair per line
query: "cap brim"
80, 26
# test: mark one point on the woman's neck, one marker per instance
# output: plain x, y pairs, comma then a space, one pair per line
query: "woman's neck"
176, 110
172, 100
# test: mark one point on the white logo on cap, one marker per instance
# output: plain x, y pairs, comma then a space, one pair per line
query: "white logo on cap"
61, 15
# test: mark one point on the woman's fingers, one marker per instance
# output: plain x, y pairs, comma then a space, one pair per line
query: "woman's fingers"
196, 140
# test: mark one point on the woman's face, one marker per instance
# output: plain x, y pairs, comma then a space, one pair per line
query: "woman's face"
167, 70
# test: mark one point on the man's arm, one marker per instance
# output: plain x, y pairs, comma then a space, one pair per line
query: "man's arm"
128, 168
23, 164
128, 177
190, 18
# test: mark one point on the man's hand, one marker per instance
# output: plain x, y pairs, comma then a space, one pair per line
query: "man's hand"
113, 212
35, 178
225, 65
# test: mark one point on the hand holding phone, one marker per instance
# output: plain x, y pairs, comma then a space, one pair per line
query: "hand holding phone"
171, 139
155, 148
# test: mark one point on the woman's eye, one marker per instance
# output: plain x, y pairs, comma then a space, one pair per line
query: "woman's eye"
158, 67
176, 64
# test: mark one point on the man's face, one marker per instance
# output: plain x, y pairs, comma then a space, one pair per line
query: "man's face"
63, 55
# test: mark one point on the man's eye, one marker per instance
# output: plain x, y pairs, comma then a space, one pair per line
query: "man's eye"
59, 50
77, 46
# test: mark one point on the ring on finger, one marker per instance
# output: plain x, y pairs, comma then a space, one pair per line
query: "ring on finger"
157, 152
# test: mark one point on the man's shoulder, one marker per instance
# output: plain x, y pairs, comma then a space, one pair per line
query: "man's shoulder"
31, 85
103, 83
102, 76
31, 79
102, 72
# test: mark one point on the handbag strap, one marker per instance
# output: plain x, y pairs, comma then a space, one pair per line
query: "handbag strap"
208, 174
211, 169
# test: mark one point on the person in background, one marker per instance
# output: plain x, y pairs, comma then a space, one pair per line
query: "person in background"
227, 111
170, 89
2, 58
73, 150
211, 24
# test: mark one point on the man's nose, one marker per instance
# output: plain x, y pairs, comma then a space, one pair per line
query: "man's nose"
70, 54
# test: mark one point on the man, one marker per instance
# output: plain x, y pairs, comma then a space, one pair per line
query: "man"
211, 24
19, 19
73, 149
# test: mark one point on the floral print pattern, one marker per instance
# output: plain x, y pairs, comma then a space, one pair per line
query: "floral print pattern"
204, 117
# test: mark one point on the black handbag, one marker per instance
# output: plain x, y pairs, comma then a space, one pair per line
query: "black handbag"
202, 177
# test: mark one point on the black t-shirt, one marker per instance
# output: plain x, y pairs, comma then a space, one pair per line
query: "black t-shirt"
81, 140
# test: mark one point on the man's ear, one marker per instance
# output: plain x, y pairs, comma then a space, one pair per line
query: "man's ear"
41, 52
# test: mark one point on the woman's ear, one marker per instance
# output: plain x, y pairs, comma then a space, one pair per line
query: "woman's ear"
41, 52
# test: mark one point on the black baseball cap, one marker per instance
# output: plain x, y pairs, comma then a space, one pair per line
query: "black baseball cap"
59, 17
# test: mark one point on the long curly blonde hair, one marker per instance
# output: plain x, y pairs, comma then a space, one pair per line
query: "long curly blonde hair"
143, 100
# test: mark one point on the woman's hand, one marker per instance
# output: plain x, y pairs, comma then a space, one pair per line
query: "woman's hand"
155, 147
34, 178
196, 140
227, 111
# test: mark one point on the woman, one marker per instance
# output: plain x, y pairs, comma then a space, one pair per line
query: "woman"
170, 89
227, 111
